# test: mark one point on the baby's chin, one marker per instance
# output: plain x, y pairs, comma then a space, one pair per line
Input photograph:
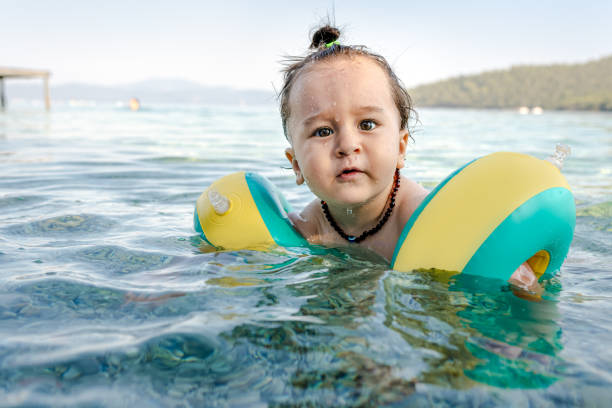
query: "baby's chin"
346, 195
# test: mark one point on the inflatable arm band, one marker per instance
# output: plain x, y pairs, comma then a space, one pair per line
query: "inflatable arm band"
254, 216
486, 218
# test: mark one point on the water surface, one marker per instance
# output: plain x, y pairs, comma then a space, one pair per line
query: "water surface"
108, 297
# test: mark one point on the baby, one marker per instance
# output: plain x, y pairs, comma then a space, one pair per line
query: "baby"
345, 114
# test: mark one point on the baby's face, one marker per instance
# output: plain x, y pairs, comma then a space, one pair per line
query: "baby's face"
344, 130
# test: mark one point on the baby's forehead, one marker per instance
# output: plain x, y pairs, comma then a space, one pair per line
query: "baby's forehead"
343, 73
342, 64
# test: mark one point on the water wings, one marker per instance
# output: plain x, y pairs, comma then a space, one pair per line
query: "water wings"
486, 218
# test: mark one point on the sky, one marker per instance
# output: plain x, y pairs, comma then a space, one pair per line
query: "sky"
241, 43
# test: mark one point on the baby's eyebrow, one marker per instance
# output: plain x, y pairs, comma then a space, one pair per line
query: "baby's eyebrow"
313, 118
361, 109
369, 108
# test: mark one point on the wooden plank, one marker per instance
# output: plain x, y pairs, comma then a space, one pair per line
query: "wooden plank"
23, 73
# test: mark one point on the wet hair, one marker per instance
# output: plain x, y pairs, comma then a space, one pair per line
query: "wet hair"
325, 47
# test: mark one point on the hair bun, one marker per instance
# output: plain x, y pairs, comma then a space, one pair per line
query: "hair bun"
324, 35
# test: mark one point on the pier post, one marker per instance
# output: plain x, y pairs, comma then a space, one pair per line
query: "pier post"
2, 98
47, 99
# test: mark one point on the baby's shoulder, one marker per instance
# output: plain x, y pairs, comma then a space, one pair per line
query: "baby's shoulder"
307, 220
412, 195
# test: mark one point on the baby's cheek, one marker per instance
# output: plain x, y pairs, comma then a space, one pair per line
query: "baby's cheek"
313, 164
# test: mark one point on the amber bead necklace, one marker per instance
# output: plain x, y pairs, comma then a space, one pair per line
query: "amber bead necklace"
375, 229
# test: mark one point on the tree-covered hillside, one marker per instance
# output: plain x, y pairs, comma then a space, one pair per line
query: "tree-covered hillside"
585, 86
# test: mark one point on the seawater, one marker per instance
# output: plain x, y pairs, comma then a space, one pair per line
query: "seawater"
109, 298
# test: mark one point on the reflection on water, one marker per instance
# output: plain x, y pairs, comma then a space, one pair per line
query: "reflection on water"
517, 339
108, 297
476, 330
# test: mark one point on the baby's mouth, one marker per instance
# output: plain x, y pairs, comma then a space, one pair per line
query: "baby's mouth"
349, 172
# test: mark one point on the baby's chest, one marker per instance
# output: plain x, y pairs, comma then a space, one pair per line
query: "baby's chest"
384, 242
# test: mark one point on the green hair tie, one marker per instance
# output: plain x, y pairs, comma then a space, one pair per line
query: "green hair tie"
331, 44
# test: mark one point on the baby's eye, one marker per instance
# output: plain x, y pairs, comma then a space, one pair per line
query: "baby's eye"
323, 132
367, 124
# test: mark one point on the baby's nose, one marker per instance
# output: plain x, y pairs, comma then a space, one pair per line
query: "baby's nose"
347, 143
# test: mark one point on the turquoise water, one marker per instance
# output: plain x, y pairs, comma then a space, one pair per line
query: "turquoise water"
109, 298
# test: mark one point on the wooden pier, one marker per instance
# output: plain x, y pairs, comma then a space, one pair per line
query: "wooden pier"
24, 73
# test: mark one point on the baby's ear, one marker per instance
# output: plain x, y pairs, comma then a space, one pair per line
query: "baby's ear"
403, 145
290, 155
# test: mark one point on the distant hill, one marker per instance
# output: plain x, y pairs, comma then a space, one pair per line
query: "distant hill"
586, 86
155, 90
